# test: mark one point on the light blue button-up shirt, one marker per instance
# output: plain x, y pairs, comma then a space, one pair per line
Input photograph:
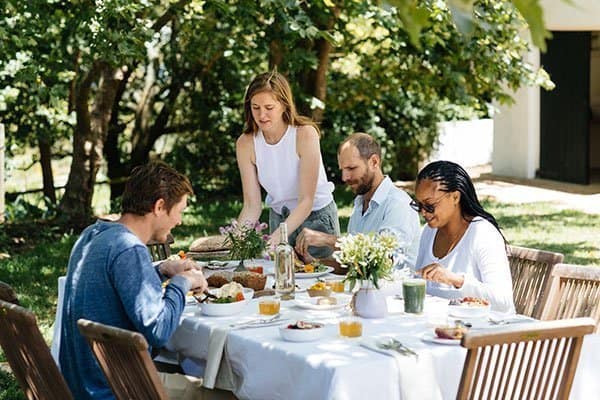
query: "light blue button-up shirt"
389, 210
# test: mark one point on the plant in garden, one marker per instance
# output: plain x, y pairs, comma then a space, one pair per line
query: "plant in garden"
246, 240
368, 257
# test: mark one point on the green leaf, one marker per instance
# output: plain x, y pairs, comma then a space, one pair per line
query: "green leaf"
534, 15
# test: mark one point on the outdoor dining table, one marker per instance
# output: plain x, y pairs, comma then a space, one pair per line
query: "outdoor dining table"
264, 366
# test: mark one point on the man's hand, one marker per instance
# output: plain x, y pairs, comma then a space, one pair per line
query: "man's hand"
309, 237
170, 268
196, 278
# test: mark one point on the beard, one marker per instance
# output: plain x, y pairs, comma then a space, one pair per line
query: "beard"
364, 184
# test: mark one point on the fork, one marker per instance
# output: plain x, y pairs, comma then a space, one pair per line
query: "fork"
398, 347
256, 322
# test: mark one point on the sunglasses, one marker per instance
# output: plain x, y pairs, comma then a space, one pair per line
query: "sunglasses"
429, 208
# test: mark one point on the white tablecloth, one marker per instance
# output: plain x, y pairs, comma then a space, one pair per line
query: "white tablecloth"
267, 367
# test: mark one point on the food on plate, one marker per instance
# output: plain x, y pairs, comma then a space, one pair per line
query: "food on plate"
179, 256
256, 268
229, 293
305, 325
319, 289
251, 280
329, 301
248, 279
337, 286
469, 302
451, 332
300, 267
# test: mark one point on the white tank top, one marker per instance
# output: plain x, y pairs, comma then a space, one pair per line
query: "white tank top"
278, 167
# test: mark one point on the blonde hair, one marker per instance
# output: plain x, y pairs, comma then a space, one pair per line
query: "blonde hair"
276, 84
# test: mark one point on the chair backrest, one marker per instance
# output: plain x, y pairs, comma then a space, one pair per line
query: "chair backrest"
574, 291
8, 294
28, 355
124, 358
530, 270
160, 250
523, 361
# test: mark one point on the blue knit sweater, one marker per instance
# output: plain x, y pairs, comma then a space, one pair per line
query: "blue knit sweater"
111, 280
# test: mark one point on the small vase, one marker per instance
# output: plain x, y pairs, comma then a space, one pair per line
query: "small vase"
369, 302
241, 267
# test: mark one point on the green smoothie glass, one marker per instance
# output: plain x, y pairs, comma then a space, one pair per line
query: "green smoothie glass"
413, 291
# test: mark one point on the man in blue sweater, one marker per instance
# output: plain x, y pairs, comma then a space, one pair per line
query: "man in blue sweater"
111, 278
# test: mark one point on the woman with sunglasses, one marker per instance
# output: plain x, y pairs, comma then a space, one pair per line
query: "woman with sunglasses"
462, 251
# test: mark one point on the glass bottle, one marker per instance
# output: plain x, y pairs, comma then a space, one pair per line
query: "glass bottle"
285, 283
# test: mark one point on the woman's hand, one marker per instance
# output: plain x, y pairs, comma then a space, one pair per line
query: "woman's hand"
437, 273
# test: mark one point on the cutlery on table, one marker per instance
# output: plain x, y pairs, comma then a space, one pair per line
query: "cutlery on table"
257, 322
397, 346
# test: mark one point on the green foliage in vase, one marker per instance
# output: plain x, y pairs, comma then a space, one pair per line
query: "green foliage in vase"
368, 257
246, 240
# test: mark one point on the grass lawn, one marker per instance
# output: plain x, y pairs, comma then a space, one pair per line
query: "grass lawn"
39, 255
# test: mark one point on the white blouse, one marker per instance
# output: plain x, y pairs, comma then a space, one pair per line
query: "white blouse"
480, 256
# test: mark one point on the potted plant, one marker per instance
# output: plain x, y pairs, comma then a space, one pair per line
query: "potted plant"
368, 258
246, 240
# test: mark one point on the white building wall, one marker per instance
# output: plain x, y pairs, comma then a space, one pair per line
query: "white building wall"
517, 127
468, 143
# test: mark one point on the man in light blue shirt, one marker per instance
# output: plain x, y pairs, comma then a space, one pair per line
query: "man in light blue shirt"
379, 204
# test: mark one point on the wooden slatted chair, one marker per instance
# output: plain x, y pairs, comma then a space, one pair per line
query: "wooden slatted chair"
160, 250
124, 358
530, 270
8, 294
28, 355
574, 291
524, 361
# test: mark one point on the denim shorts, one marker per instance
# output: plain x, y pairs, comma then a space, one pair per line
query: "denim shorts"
323, 220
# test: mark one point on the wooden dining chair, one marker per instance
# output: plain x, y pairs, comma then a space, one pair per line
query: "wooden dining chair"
28, 355
160, 250
574, 291
523, 361
8, 294
530, 270
124, 358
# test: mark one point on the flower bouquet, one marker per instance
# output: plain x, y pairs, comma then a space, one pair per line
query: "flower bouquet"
368, 257
246, 240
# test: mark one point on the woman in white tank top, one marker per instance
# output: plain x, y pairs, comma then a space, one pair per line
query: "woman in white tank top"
280, 152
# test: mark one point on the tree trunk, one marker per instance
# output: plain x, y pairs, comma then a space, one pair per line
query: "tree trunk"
88, 142
46, 164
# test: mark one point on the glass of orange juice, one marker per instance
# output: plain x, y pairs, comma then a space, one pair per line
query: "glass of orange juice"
337, 286
268, 306
350, 327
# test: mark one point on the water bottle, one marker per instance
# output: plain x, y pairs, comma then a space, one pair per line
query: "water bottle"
285, 284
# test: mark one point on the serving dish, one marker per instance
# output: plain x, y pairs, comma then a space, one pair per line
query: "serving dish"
226, 309
302, 335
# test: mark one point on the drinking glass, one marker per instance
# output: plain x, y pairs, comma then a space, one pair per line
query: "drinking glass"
268, 306
350, 327
413, 291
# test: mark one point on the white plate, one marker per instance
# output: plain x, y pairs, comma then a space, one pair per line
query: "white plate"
310, 303
305, 275
432, 338
220, 265
301, 335
221, 310
465, 311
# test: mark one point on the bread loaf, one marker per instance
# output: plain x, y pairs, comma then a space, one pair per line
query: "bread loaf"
251, 280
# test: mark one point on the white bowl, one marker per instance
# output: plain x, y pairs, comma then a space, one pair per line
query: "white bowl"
468, 311
224, 309
301, 335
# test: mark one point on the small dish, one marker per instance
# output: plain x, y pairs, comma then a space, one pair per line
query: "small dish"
306, 275
318, 293
225, 309
302, 335
312, 303
468, 311
432, 338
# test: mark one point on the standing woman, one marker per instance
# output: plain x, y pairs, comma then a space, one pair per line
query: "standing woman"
462, 251
279, 150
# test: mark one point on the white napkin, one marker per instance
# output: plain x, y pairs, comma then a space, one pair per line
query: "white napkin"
416, 375
218, 368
